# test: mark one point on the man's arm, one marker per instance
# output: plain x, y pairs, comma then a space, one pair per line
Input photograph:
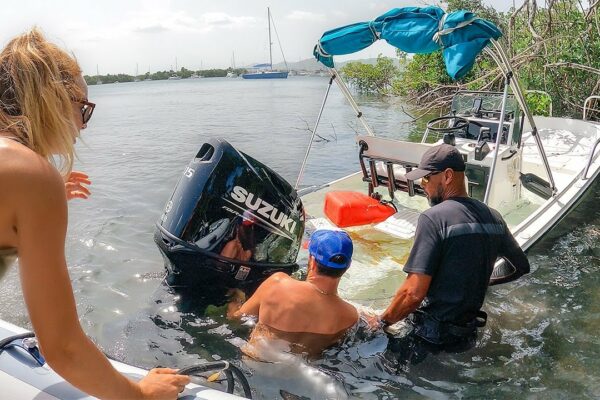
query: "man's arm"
408, 297
515, 263
421, 265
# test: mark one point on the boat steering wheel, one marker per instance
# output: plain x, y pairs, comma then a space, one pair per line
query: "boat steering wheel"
459, 124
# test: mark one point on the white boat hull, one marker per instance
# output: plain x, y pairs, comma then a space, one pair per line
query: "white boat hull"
21, 378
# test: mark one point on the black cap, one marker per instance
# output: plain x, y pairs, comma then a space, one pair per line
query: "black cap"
438, 158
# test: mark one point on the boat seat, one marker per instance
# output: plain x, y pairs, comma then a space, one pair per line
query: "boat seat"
399, 171
384, 162
403, 224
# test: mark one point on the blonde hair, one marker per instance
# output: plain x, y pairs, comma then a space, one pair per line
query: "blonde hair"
37, 87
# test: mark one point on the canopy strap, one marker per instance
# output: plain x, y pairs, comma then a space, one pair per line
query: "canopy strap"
376, 36
320, 50
441, 31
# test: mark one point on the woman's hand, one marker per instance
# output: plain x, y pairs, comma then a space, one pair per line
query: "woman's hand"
75, 185
163, 384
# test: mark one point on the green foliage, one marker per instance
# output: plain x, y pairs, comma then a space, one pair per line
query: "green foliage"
571, 40
555, 49
423, 72
366, 78
214, 73
539, 103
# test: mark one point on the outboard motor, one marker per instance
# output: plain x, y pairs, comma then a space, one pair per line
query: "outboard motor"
231, 222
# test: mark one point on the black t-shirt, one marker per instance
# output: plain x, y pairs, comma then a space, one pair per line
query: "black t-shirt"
457, 243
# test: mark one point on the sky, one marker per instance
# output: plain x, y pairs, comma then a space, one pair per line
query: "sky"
121, 36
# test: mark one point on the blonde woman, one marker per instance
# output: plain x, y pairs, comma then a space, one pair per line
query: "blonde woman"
43, 107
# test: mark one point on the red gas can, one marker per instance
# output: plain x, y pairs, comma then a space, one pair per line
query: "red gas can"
354, 208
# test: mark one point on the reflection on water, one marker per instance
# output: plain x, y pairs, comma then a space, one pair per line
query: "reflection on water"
541, 339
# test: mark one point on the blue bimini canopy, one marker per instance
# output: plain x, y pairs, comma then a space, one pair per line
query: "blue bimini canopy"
460, 35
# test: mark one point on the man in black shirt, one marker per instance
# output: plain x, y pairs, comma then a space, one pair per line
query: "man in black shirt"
457, 243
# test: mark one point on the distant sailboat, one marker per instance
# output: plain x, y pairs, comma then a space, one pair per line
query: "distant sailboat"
136, 78
175, 76
261, 72
98, 80
232, 74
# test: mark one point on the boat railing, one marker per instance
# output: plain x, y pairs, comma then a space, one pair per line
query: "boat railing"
590, 159
586, 106
542, 92
384, 162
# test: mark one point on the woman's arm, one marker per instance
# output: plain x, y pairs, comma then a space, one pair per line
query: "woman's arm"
39, 198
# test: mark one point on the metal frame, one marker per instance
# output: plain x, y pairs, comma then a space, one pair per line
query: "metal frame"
498, 54
314, 133
488, 189
590, 159
501, 59
585, 105
346, 92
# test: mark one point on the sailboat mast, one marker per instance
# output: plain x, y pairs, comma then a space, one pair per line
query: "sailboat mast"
270, 43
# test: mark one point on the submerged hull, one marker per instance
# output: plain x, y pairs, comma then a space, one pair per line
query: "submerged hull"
266, 75
381, 249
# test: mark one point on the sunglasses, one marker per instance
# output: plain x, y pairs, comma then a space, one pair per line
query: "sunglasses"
426, 178
87, 109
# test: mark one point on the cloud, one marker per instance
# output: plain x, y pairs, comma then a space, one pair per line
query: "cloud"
150, 29
225, 20
298, 15
159, 22
180, 22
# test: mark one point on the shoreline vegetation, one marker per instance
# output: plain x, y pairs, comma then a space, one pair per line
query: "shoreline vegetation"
553, 47
183, 73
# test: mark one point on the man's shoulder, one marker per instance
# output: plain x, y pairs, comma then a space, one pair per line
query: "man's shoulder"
278, 279
351, 311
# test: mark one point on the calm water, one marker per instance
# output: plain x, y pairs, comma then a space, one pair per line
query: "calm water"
541, 340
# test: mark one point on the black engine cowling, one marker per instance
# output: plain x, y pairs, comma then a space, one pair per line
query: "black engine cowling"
230, 223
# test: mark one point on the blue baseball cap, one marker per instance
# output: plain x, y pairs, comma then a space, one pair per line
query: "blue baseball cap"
326, 244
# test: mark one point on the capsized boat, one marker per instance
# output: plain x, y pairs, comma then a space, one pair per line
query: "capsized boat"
532, 169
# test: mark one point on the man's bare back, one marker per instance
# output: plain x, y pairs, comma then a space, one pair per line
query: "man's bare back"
309, 314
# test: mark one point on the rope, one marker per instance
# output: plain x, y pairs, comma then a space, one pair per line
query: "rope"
227, 368
376, 36
441, 31
321, 51
4, 342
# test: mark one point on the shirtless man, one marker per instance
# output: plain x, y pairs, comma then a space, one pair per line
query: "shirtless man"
308, 315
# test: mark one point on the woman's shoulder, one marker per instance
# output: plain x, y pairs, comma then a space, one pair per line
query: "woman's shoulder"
17, 158
23, 169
